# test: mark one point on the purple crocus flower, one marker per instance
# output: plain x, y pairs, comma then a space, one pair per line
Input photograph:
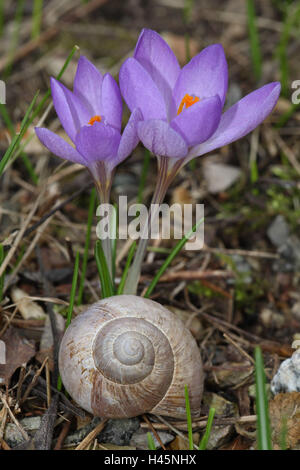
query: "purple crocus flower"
182, 111
91, 115
182, 108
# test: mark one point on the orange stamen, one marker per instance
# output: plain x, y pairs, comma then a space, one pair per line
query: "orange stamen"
186, 102
94, 119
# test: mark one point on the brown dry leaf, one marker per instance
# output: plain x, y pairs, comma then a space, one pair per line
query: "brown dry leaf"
18, 351
27, 307
285, 408
183, 444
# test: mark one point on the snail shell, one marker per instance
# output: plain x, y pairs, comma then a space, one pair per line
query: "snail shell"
127, 355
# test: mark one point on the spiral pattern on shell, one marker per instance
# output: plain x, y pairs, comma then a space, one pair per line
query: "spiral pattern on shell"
126, 355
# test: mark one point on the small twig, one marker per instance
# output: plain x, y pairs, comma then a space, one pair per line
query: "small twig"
9, 321
250, 253
22, 376
288, 152
194, 275
20, 235
48, 383
4, 413
34, 381
4, 445
22, 431
174, 429
92, 435
154, 431
27, 254
201, 423
57, 208
63, 434
47, 287
239, 348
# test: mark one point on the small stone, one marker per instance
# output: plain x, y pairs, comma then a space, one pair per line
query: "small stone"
287, 378
140, 439
14, 437
119, 431
278, 231
223, 407
219, 436
219, 176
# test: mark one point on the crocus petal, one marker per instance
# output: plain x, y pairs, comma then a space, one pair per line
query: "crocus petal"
111, 102
161, 139
155, 55
70, 109
204, 76
98, 142
58, 146
130, 138
241, 118
87, 85
198, 122
140, 91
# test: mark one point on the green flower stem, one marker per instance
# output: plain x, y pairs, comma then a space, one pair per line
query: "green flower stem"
103, 179
167, 170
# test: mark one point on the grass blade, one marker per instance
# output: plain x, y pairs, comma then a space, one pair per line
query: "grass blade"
1, 277
105, 279
292, 17
73, 290
170, 258
1, 17
127, 266
87, 245
15, 36
264, 441
18, 137
151, 444
36, 18
188, 417
205, 437
254, 40
187, 14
